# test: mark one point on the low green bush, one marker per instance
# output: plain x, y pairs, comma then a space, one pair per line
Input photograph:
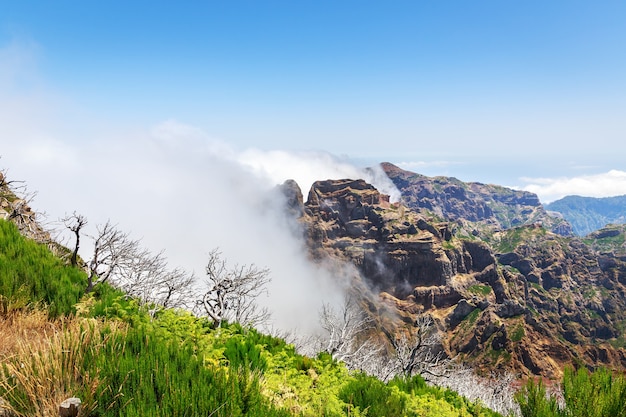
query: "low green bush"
372, 397
31, 274
601, 393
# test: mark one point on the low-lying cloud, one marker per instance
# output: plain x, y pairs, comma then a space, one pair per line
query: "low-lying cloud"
607, 184
182, 192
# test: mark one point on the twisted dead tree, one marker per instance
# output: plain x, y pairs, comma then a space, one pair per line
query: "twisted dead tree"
350, 336
113, 252
346, 335
123, 262
75, 223
417, 350
230, 294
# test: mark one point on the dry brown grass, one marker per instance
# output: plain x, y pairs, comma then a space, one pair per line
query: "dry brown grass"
18, 327
42, 361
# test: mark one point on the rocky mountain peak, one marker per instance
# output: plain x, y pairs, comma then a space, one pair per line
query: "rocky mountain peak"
487, 206
518, 298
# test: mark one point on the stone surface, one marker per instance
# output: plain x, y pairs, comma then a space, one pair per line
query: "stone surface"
488, 206
70, 407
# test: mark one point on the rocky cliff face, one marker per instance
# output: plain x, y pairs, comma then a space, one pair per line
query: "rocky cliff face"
490, 207
522, 299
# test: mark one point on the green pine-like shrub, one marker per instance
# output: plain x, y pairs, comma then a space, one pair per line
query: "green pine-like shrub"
31, 274
601, 393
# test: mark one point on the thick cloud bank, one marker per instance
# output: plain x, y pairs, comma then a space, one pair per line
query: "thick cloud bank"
184, 193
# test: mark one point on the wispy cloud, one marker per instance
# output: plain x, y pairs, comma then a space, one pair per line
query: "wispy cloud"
172, 185
306, 167
605, 184
181, 191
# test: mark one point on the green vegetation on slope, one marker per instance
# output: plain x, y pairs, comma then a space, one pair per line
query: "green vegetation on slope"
608, 239
30, 273
121, 358
509, 239
585, 394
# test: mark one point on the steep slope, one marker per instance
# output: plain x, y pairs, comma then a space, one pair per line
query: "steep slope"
488, 207
523, 299
118, 356
587, 214
609, 240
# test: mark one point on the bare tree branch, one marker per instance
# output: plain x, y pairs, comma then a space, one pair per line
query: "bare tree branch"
113, 252
346, 337
231, 293
75, 223
417, 350
136, 271
495, 391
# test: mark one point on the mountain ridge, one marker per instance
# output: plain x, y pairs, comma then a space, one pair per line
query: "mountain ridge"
588, 214
520, 298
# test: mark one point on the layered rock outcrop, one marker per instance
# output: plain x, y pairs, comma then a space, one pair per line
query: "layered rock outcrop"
519, 298
484, 205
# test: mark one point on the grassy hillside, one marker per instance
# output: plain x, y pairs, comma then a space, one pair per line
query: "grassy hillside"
30, 273
123, 359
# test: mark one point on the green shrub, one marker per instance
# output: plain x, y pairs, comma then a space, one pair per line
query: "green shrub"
372, 397
585, 394
534, 402
597, 394
31, 274
149, 376
242, 352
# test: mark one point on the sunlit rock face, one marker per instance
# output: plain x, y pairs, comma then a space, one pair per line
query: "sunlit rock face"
490, 207
517, 298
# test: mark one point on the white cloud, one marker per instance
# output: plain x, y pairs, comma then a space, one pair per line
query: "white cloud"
308, 167
182, 192
606, 184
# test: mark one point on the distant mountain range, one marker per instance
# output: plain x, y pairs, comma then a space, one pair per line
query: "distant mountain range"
588, 214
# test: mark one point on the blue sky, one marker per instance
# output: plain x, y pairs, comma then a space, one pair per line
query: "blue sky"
174, 119
361, 78
493, 91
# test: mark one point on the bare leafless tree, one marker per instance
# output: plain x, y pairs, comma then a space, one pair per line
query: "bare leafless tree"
148, 278
495, 391
113, 252
176, 289
346, 335
231, 293
417, 349
15, 186
138, 272
75, 223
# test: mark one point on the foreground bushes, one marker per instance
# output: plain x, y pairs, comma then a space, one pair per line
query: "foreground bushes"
585, 394
30, 273
123, 359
